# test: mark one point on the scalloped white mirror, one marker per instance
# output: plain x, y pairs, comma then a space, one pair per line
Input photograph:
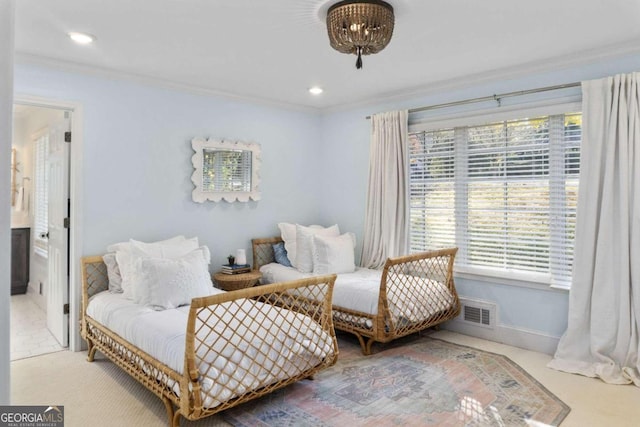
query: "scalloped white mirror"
225, 170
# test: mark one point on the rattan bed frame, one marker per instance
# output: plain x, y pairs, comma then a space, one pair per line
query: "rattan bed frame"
159, 378
401, 278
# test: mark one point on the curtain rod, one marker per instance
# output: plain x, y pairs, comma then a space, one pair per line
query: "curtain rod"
496, 97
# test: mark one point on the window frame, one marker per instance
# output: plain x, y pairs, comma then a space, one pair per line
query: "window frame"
478, 118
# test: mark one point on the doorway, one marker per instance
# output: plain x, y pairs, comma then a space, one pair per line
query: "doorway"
40, 204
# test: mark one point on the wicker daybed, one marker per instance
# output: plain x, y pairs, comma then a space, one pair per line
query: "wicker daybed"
412, 293
234, 349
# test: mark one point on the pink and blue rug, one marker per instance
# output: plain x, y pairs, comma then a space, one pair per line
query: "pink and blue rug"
420, 381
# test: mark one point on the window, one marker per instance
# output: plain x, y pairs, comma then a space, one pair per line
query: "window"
504, 193
41, 192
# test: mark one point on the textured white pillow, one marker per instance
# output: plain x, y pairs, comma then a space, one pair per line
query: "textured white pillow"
126, 265
113, 272
125, 246
288, 235
304, 244
169, 283
334, 254
165, 249
135, 292
128, 255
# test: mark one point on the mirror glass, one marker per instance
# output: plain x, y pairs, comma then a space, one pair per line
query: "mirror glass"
225, 170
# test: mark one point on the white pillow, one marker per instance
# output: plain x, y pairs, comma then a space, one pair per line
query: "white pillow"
288, 235
165, 249
169, 283
304, 244
134, 292
128, 255
334, 254
125, 261
124, 246
113, 272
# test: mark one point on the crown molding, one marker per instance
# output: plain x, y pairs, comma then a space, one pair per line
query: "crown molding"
75, 67
557, 63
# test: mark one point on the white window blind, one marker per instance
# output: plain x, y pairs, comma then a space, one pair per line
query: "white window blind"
41, 192
504, 193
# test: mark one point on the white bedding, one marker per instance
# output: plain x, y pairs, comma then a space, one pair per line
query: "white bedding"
360, 290
162, 335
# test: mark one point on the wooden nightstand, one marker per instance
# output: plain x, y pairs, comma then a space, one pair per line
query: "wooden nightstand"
232, 282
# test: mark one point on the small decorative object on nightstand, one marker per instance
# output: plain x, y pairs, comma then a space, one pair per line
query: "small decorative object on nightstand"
241, 256
232, 282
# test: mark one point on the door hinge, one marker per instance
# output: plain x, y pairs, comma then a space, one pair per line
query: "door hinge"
65, 309
67, 222
67, 137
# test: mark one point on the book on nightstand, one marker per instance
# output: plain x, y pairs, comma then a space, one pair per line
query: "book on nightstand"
235, 268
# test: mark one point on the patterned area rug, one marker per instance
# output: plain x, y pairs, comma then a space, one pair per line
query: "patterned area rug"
420, 381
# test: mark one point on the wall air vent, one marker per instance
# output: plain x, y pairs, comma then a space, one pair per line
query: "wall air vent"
479, 313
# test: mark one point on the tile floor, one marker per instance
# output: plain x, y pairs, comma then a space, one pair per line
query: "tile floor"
29, 333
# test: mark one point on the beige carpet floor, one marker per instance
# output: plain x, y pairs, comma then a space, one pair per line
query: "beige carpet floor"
93, 394
100, 394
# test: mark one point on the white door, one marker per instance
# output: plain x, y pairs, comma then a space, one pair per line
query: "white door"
58, 287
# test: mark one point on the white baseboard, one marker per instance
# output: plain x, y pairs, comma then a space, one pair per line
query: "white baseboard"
516, 337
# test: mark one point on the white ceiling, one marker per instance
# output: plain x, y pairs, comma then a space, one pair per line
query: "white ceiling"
275, 50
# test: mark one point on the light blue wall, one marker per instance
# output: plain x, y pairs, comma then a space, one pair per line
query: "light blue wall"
137, 161
137, 167
345, 141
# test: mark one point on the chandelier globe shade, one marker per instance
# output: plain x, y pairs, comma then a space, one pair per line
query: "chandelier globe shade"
360, 27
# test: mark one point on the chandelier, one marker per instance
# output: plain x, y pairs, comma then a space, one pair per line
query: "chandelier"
360, 27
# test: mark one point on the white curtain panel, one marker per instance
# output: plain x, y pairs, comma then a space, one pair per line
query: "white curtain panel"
604, 303
385, 225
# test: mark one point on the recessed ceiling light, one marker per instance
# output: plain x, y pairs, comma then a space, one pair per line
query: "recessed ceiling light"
81, 38
315, 90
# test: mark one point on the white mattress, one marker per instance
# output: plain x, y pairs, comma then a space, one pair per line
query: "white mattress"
162, 335
360, 290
